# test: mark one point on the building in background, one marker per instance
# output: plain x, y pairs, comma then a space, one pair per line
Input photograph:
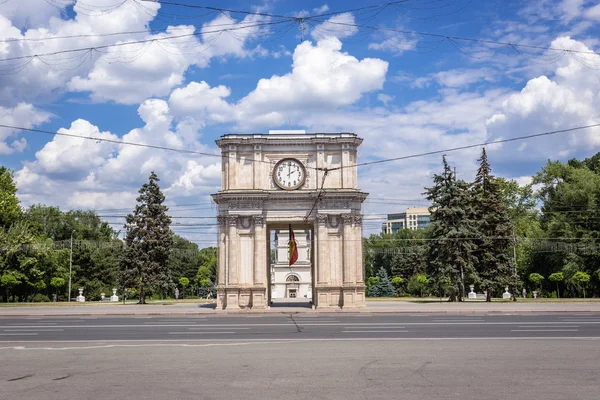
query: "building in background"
291, 282
413, 219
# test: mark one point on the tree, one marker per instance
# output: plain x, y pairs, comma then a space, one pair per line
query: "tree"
383, 287
451, 246
581, 280
557, 277
397, 282
10, 210
148, 242
184, 282
417, 284
536, 279
494, 230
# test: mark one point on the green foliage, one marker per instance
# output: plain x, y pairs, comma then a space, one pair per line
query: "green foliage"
41, 298
493, 230
10, 210
417, 284
205, 283
536, 279
451, 250
145, 260
383, 286
183, 281
581, 280
557, 277
397, 281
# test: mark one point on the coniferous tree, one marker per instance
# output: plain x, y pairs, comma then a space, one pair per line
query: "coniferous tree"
384, 287
494, 226
145, 261
452, 229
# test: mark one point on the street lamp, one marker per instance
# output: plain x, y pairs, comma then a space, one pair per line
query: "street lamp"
70, 266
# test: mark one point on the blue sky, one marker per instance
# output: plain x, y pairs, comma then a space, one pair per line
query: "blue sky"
404, 93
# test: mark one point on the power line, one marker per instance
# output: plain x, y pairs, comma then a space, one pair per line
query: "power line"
460, 38
144, 41
514, 139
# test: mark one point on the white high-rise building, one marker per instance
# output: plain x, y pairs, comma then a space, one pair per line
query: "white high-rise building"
291, 281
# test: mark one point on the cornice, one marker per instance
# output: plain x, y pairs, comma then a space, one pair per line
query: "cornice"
289, 140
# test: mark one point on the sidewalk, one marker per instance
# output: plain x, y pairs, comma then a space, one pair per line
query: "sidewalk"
392, 307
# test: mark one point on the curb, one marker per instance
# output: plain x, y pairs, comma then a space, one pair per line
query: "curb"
225, 313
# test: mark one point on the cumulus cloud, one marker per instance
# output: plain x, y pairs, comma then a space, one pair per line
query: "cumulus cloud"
93, 173
568, 99
22, 115
322, 78
339, 26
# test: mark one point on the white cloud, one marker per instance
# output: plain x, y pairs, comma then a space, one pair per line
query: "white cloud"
86, 173
570, 98
22, 115
320, 10
28, 13
339, 26
384, 98
593, 13
322, 78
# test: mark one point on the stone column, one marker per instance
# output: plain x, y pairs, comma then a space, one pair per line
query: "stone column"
349, 256
259, 292
322, 267
221, 280
233, 272
360, 267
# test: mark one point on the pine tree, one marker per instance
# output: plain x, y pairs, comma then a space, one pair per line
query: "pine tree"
451, 245
384, 287
148, 242
494, 226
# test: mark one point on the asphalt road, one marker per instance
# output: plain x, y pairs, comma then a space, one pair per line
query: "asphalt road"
520, 368
297, 326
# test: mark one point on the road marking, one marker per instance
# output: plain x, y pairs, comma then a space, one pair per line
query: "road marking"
209, 328
544, 330
374, 327
548, 326
34, 329
199, 333
390, 331
33, 323
19, 334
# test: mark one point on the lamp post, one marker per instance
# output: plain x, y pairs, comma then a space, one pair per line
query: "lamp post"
70, 266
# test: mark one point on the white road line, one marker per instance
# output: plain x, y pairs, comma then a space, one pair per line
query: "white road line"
549, 326
19, 334
34, 329
209, 328
544, 330
390, 331
374, 327
34, 318
33, 323
199, 333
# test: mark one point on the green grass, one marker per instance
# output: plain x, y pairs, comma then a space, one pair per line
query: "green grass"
103, 303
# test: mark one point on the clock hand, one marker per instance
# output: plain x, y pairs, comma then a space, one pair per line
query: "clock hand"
289, 170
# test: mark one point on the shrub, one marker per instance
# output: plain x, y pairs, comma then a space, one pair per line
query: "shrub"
41, 298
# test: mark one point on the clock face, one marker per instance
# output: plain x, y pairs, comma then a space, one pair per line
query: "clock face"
289, 174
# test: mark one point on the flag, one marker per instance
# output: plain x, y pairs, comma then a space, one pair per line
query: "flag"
293, 249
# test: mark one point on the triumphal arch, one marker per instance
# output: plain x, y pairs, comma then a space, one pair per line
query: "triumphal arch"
271, 181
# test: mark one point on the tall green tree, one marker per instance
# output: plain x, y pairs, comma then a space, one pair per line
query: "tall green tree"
10, 209
494, 230
450, 251
148, 242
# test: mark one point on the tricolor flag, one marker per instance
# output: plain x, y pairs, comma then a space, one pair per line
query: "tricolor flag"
293, 249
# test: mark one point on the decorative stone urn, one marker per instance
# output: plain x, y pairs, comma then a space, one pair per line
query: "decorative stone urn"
506, 294
80, 298
472, 294
102, 296
114, 296
535, 294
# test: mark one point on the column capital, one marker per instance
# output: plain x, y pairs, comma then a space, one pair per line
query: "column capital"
347, 218
322, 219
259, 220
232, 220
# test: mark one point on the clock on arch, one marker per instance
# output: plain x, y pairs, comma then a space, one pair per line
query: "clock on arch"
289, 174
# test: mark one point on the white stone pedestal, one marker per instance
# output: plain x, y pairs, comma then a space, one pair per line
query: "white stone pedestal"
80, 298
472, 294
114, 297
506, 295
